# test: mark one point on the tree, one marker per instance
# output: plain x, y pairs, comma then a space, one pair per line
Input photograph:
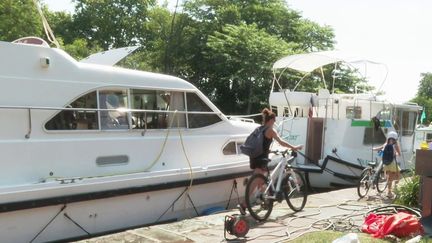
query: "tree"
19, 18
240, 80
424, 95
62, 25
242, 58
79, 48
273, 16
112, 23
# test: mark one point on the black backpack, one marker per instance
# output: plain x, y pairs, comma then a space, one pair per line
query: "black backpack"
254, 144
388, 154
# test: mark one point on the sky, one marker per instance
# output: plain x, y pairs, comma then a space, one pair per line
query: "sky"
396, 33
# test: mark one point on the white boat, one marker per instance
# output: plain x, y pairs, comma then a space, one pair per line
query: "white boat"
422, 134
338, 130
88, 149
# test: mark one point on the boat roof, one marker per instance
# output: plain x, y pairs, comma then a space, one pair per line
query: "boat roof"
41, 62
307, 62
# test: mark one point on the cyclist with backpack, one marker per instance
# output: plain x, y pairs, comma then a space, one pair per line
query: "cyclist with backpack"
390, 150
257, 146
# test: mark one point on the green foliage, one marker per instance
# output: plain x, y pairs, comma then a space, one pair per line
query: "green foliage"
243, 40
62, 25
314, 37
408, 192
19, 18
112, 23
424, 95
79, 48
242, 57
329, 236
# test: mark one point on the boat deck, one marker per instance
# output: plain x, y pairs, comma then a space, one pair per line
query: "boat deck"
282, 226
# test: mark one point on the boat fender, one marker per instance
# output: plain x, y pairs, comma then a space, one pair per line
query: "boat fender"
212, 210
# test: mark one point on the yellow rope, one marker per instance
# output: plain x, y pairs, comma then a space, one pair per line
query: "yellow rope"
188, 161
48, 31
125, 173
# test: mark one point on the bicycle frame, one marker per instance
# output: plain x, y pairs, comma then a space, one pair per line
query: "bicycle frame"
278, 174
282, 182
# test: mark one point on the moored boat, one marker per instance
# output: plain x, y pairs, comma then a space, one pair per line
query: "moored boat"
423, 136
339, 130
89, 149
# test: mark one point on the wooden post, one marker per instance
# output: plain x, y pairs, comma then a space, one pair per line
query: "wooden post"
423, 167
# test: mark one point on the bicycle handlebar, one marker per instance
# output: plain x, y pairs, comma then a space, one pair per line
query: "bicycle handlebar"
285, 152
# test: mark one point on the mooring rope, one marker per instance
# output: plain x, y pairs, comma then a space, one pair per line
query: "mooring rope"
48, 31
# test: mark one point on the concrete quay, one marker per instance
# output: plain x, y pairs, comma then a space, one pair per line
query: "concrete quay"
340, 210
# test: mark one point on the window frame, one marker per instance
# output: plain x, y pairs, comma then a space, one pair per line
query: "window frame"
129, 113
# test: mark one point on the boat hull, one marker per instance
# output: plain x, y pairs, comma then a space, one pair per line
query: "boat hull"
85, 215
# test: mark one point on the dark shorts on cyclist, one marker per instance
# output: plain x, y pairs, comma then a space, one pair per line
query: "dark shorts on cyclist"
259, 162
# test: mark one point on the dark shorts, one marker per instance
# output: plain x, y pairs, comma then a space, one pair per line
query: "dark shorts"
259, 162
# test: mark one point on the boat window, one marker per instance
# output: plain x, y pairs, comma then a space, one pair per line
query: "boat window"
113, 114
230, 148
154, 105
76, 119
374, 137
195, 103
286, 112
353, 112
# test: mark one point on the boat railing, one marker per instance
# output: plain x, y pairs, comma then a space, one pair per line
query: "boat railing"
171, 114
244, 118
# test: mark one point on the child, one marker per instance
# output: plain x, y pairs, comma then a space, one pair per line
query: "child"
392, 169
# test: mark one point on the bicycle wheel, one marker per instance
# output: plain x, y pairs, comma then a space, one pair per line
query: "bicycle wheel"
381, 181
364, 182
295, 190
258, 204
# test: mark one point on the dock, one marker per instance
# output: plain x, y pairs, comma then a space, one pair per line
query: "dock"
339, 210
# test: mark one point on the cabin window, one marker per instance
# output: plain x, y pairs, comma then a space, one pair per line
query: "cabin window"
77, 119
195, 103
353, 112
113, 105
286, 112
372, 136
230, 148
156, 109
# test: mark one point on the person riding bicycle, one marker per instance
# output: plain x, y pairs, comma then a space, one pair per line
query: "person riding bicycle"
259, 164
392, 169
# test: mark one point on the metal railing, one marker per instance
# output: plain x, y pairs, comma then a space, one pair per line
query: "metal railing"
127, 111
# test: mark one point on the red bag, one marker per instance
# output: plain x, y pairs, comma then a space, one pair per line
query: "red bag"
401, 225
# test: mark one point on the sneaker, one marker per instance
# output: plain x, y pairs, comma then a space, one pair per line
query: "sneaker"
242, 209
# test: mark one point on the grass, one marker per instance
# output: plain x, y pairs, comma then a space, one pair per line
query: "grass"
329, 236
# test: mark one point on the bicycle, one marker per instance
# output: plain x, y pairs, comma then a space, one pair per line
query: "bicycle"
262, 191
372, 176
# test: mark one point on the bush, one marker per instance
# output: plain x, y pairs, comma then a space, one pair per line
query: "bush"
408, 192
